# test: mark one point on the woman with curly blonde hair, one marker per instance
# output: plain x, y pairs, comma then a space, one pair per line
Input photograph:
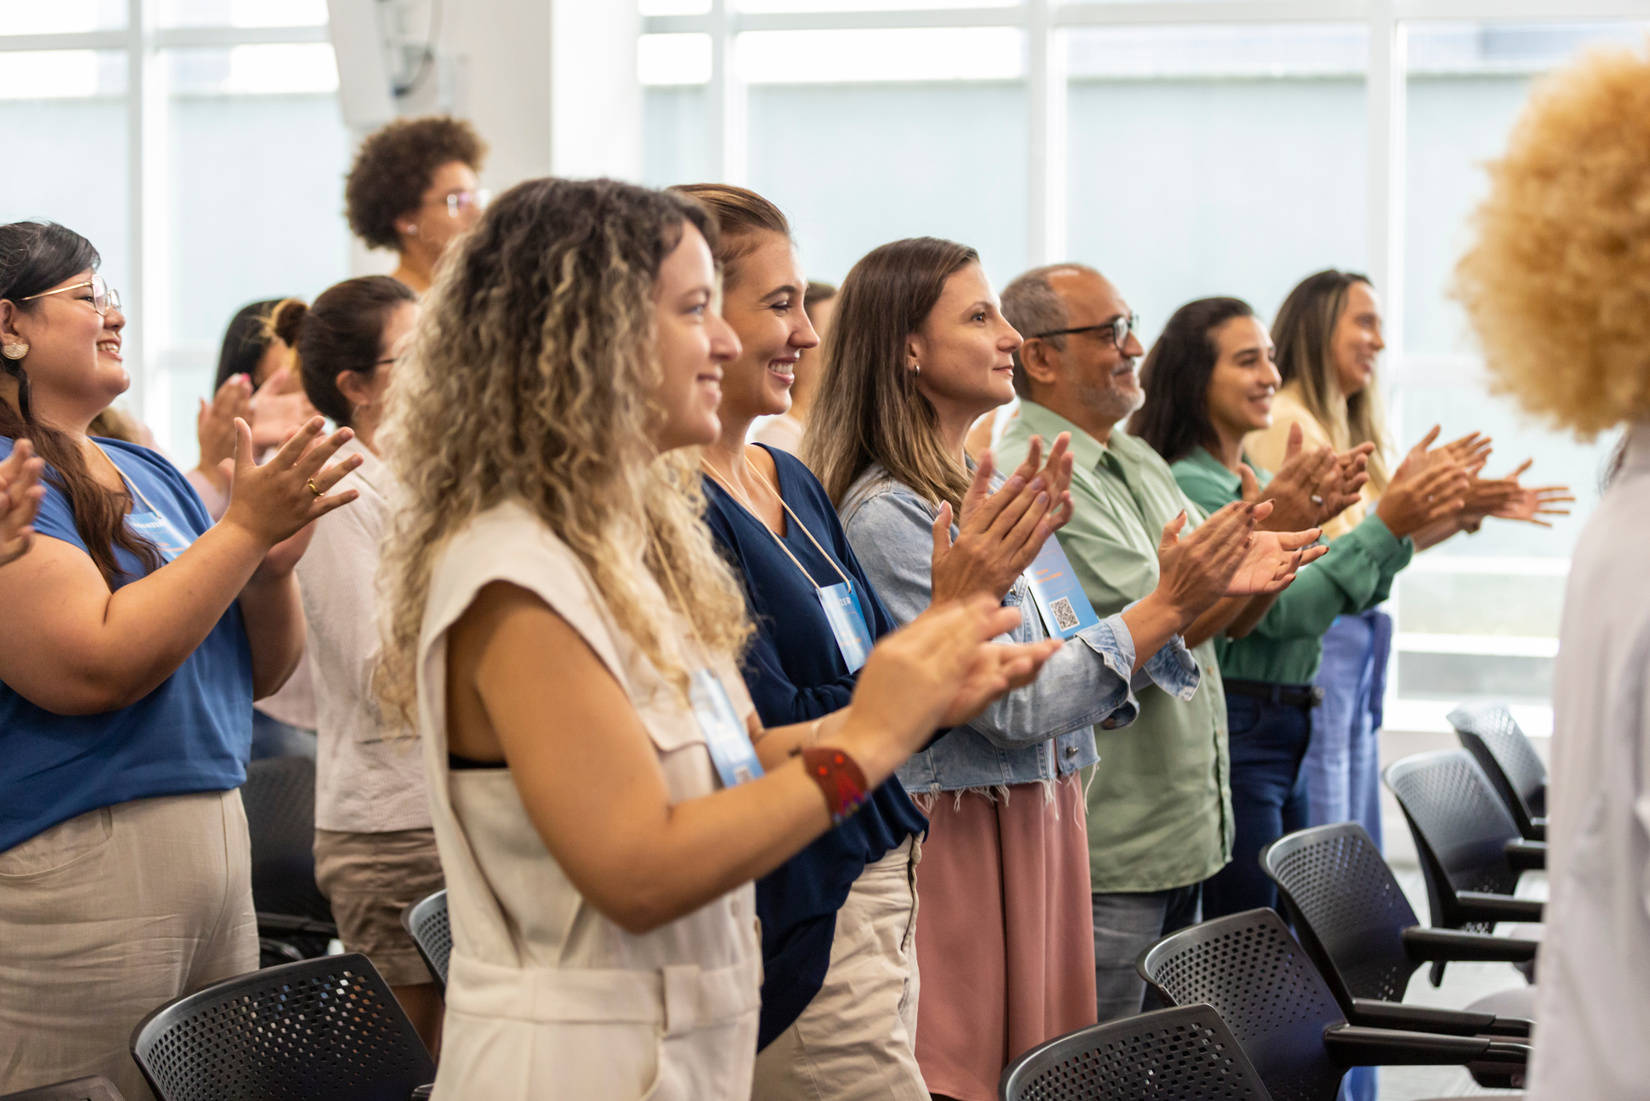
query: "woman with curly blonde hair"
565, 634
1557, 286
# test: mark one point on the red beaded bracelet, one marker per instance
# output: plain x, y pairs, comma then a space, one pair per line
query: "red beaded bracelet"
839, 777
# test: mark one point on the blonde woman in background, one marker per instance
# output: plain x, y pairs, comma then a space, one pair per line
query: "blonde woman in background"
1328, 337
1557, 287
565, 634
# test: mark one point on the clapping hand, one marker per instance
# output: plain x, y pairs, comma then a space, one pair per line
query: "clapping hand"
215, 427
20, 497
278, 408
1516, 502
277, 502
999, 534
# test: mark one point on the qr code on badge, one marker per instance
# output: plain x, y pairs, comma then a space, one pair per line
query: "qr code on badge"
1064, 616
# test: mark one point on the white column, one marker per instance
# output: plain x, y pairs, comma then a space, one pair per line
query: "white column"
1387, 91
1046, 147
148, 219
729, 114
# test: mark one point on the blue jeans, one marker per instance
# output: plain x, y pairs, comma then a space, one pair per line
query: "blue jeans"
1268, 741
1343, 765
1126, 923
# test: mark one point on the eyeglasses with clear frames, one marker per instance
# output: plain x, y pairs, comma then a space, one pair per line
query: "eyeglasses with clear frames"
1119, 327
103, 296
457, 202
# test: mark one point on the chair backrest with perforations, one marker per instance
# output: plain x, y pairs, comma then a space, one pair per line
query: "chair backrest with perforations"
426, 921
1347, 908
93, 1088
1182, 1054
1503, 750
279, 794
322, 1030
1266, 989
1460, 824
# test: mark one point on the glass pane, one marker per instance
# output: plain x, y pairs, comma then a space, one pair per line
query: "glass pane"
61, 16
889, 161
907, 54
1467, 83
74, 124
674, 7
1215, 160
253, 70
673, 58
243, 13
249, 219
865, 5
676, 136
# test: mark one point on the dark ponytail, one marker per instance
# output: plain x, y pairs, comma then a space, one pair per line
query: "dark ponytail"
34, 257
342, 331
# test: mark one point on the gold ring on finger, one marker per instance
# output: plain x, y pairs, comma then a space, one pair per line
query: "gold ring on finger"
313, 488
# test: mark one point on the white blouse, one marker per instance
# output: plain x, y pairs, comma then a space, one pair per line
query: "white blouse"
369, 777
1592, 1035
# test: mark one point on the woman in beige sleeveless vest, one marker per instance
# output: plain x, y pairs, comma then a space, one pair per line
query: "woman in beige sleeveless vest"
565, 636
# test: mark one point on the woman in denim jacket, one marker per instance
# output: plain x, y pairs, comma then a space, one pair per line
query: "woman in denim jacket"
917, 353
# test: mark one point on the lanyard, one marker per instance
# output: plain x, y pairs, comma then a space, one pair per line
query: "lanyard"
744, 503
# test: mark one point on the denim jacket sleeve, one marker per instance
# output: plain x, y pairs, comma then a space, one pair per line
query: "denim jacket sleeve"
1086, 682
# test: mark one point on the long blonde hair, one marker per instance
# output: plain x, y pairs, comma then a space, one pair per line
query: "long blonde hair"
533, 378
1304, 334
874, 412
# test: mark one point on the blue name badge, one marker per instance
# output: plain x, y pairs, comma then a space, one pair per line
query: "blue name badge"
725, 734
167, 537
847, 621
1064, 606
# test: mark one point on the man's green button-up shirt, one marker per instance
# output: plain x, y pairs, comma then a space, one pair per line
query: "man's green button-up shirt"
1159, 801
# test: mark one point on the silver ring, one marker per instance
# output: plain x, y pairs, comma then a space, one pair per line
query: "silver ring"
1316, 500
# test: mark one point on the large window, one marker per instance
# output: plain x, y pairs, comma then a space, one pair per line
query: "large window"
198, 144
1187, 148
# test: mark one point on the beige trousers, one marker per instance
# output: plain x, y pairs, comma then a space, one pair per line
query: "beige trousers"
856, 1041
109, 915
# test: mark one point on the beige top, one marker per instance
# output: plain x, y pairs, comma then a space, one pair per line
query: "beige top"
1266, 449
784, 432
540, 978
369, 777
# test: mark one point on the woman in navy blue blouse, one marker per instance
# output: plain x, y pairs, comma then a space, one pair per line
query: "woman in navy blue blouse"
838, 919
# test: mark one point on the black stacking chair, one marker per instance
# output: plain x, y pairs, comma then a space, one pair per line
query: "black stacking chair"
1185, 1054
320, 1030
1266, 989
94, 1088
1354, 921
1471, 851
294, 917
1504, 752
426, 922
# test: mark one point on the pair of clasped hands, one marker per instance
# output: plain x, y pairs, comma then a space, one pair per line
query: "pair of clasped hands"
943, 669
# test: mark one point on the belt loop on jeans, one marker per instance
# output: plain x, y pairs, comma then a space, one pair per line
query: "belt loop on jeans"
1303, 696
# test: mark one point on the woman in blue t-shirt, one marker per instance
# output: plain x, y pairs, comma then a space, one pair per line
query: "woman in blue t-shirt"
138, 635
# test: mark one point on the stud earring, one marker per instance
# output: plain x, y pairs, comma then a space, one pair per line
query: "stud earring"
15, 351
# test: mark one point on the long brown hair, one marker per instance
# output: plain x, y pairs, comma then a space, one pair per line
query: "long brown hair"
872, 411
34, 257
1304, 332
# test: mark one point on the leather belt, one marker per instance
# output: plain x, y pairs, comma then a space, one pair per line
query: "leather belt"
1303, 696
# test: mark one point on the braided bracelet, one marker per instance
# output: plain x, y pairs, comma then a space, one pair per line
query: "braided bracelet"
839, 777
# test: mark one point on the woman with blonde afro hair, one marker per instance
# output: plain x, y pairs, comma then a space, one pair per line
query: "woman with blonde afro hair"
1557, 285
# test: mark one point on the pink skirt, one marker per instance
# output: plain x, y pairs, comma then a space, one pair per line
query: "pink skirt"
1006, 936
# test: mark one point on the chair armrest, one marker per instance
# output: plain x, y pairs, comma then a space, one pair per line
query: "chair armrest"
1458, 945
1538, 826
1525, 855
422, 1093
1352, 1046
1369, 1013
1483, 906
289, 923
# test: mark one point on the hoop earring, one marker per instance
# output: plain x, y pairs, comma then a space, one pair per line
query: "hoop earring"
916, 368
15, 351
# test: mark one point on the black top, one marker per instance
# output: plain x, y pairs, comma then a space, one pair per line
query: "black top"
796, 673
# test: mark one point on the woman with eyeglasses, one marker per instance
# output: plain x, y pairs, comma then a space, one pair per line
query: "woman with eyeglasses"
141, 634
413, 189
374, 848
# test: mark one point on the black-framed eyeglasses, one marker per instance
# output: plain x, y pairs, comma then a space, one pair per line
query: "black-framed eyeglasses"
103, 296
1119, 328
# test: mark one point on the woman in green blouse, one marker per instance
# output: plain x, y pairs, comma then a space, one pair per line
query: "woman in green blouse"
1209, 381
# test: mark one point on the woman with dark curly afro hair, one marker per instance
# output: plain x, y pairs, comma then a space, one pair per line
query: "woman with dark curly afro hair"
413, 188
